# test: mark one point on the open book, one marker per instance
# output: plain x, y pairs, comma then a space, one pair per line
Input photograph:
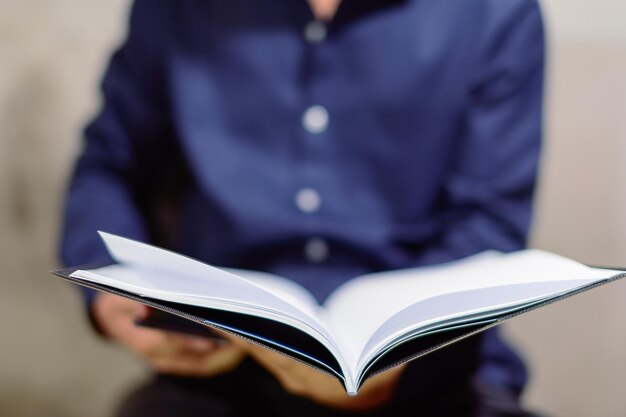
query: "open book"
367, 325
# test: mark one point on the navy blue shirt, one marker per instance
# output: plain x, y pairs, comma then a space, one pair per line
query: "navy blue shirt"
400, 134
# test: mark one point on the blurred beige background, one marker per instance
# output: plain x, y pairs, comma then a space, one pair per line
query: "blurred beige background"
51, 58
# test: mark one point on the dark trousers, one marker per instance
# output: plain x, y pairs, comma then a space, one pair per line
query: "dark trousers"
251, 391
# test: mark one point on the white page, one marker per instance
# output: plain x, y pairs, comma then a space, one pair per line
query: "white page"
242, 299
161, 274
131, 280
358, 308
289, 291
477, 303
180, 274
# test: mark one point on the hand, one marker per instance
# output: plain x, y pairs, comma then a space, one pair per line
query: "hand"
167, 352
299, 379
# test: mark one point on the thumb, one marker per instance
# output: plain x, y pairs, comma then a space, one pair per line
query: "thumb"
132, 308
141, 311
234, 340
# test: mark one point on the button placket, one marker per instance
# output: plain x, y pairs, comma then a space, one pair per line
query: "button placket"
315, 120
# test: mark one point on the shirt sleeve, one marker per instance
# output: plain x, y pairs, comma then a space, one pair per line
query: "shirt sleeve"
486, 199
123, 147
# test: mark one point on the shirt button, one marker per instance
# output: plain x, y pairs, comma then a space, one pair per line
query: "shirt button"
316, 250
315, 31
308, 200
315, 119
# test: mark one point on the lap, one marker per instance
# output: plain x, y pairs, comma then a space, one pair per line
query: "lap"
249, 390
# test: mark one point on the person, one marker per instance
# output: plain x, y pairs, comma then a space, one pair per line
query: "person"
318, 140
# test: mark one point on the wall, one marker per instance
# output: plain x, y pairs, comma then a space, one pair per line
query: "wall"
576, 347
51, 58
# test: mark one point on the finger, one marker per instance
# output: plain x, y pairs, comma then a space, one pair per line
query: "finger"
171, 367
145, 341
163, 344
266, 356
192, 344
229, 338
124, 306
109, 310
133, 309
148, 341
210, 364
